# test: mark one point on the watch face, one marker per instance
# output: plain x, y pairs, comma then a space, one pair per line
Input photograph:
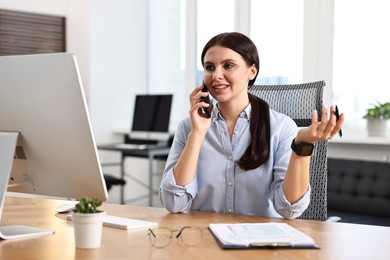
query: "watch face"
306, 150
303, 149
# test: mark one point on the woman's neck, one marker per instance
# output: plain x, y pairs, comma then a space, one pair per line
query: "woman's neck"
231, 111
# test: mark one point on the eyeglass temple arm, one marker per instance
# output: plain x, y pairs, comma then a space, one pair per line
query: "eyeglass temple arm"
151, 232
181, 231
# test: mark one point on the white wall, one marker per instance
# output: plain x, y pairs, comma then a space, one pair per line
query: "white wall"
118, 63
109, 41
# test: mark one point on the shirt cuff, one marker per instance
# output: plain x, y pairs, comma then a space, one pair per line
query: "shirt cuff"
288, 210
181, 190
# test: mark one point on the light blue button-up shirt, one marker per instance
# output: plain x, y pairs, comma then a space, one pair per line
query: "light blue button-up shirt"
220, 185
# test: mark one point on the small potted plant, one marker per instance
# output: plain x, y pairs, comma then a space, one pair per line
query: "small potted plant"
88, 223
377, 116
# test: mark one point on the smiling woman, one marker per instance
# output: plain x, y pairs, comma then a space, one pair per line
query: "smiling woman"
227, 75
240, 160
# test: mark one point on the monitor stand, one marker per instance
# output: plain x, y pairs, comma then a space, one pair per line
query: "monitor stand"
8, 142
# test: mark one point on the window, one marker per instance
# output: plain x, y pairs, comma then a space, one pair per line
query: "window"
213, 17
172, 55
276, 27
166, 69
296, 42
361, 56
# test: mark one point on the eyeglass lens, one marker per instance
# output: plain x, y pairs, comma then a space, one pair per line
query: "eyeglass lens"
161, 237
190, 235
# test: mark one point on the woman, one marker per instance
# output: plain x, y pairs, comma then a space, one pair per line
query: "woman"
240, 160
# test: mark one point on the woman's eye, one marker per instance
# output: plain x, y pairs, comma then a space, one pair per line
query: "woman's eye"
228, 66
209, 68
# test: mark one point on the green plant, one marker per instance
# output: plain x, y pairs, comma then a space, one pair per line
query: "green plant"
378, 111
88, 205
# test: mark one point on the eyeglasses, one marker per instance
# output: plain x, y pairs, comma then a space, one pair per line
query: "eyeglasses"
161, 237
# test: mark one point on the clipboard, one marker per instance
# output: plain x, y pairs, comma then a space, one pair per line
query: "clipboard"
260, 236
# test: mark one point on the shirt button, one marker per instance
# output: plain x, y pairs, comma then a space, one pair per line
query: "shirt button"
230, 183
230, 210
235, 133
230, 157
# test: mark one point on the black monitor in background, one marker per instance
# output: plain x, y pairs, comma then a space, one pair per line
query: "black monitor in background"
151, 118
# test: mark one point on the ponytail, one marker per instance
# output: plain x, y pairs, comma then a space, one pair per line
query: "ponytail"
258, 151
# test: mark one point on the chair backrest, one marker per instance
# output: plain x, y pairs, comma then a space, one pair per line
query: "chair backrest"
298, 102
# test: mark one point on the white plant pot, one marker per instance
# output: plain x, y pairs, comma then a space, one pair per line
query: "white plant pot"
88, 229
376, 127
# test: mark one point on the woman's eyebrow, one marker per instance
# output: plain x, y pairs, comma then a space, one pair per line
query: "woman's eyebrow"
223, 61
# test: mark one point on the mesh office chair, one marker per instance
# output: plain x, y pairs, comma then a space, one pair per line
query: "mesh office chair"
298, 102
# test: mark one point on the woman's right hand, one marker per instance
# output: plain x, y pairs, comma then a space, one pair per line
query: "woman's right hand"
185, 168
200, 125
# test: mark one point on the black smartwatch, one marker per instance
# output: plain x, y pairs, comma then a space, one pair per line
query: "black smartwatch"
302, 149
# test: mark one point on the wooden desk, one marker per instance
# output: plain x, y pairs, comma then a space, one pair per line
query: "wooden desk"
337, 240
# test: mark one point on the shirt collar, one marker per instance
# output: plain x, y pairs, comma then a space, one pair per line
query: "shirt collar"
244, 114
247, 112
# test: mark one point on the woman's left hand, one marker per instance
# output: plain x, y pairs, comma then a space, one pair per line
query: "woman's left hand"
326, 129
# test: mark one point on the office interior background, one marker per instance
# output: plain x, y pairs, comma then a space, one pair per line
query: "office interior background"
129, 47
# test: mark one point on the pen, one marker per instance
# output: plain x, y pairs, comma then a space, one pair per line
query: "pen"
337, 119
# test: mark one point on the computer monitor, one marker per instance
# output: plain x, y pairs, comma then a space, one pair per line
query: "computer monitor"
43, 110
151, 117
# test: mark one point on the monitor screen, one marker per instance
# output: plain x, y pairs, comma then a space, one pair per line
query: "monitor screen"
151, 117
42, 99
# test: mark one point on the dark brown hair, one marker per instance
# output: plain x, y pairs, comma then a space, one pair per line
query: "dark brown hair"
258, 151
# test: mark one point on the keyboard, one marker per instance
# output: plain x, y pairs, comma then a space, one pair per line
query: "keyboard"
124, 223
134, 146
127, 223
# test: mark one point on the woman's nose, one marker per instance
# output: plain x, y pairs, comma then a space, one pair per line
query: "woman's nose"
218, 73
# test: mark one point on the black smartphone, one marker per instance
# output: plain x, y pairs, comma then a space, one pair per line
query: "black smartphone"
205, 111
337, 119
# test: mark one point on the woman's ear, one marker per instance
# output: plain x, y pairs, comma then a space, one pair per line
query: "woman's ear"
253, 72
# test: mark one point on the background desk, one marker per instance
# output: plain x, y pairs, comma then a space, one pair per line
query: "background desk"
152, 154
337, 240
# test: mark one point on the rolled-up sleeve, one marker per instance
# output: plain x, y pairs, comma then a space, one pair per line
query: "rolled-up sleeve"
176, 198
288, 210
282, 154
